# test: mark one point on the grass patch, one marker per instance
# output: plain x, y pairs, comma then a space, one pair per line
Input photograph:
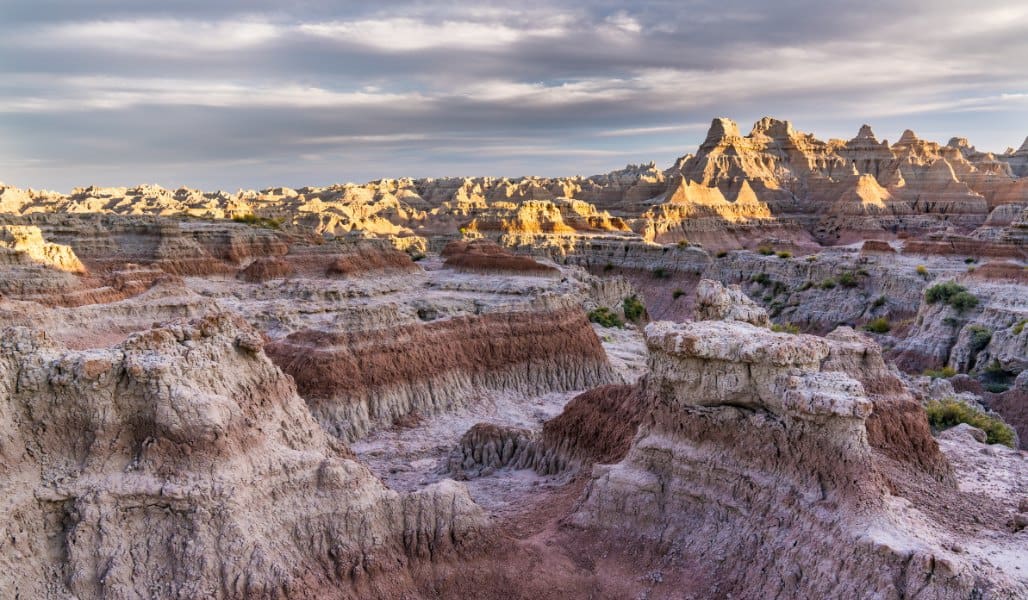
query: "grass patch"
661, 273
879, 325
922, 271
605, 317
785, 328
722, 253
848, 280
943, 373
766, 250
678, 293
784, 254
879, 302
683, 243
761, 278
828, 284
943, 414
608, 267
1020, 326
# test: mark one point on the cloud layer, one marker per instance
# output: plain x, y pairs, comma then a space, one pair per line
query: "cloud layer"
257, 93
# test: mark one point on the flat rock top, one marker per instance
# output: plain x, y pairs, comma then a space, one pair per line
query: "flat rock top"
736, 341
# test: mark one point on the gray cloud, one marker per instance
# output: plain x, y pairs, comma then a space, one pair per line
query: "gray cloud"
255, 93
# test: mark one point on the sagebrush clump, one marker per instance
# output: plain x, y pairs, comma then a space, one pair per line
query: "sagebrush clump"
949, 412
605, 317
879, 325
633, 308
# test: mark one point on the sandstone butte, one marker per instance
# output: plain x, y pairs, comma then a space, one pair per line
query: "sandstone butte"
724, 379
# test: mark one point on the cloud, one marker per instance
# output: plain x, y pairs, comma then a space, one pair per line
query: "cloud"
232, 92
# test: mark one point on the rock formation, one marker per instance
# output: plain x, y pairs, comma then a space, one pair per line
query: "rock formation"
182, 463
757, 447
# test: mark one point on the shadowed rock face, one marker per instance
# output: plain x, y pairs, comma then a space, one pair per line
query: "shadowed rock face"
757, 447
182, 464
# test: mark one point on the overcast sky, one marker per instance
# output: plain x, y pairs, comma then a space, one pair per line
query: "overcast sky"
254, 93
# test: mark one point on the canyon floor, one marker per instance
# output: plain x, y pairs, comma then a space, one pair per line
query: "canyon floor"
727, 379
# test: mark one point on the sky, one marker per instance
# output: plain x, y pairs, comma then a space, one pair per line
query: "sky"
228, 94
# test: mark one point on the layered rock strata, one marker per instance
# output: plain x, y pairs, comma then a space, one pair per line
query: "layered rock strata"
182, 464
758, 468
355, 381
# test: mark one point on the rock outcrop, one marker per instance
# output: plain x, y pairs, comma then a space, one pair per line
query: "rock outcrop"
757, 447
715, 302
182, 464
355, 381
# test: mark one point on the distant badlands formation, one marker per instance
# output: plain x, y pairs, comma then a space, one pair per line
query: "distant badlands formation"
393, 390
774, 182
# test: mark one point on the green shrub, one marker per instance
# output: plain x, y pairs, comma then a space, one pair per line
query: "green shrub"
678, 293
943, 414
605, 317
942, 292
996, 388
1020, 326
785, 328
765, 250
879, 325
980, 337
848, 280
784, 254
661, 273
761, 278
943, 373
633, 308
963, 301
922, 271
879, 302
608, 267
722, 253
417, 256
683, 243
828, 284
806, 285
970, 260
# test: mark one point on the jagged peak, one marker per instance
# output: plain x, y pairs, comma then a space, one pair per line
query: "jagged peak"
721, 128
908, 137
774, 128
866, 133
1023, 150
959, 142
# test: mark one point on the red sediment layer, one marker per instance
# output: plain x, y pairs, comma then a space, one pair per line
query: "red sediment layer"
966, 247
325, 364
877, 246
367, 259
598, 425
265, 269
488, 256
1001, 270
